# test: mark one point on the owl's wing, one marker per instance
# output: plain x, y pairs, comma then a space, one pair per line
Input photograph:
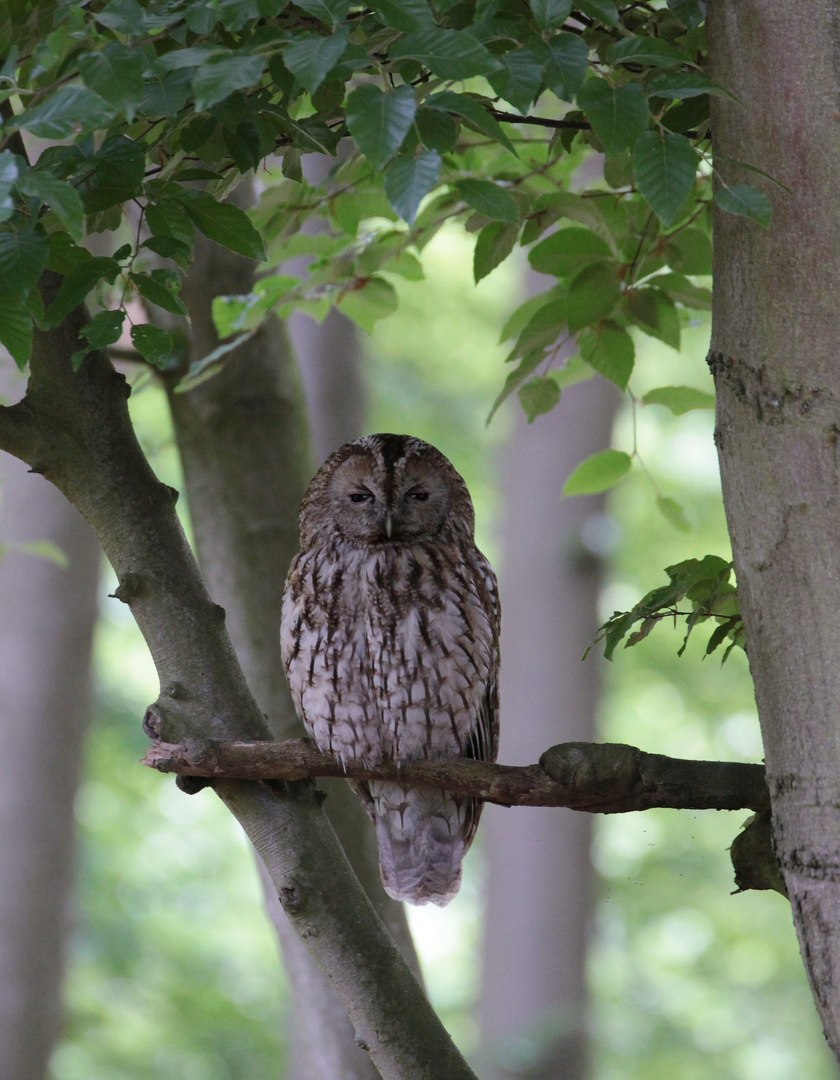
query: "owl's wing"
482, 744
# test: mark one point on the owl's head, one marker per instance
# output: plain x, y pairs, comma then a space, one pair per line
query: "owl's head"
384, 489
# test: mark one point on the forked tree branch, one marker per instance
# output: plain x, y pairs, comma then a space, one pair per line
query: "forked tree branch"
606, 778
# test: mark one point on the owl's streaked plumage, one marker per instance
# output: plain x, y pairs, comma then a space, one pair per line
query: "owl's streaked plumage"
390, 637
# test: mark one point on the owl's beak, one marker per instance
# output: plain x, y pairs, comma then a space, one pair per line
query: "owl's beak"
389, 524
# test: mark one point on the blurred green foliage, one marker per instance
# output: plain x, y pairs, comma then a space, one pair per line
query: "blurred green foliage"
173, 968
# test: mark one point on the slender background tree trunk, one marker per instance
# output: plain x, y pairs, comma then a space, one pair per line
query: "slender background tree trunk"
47, 615
245, 449
540, 877
774, 353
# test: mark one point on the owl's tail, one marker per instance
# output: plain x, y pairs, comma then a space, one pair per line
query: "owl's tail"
423, 836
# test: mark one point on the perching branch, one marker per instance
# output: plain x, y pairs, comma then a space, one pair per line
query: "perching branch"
608, 778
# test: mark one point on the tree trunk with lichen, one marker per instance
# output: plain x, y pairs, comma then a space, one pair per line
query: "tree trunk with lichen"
774, 354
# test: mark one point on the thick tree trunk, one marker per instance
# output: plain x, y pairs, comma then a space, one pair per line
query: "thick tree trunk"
540, 881
245, 450
774, 353
47, 614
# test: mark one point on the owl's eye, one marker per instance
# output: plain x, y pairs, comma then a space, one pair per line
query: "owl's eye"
361, 496
418, 496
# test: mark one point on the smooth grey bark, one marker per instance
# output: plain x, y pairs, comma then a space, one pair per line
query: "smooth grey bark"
74, 428
244, 446
47, 615
540, 885
774, 354
331, 366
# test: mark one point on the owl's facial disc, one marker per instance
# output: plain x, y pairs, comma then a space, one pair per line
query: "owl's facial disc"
396, 505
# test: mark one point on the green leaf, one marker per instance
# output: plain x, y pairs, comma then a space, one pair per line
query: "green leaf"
77, 284
600, 10
117, 176
747, 201
167, 217
550, 14
684, 292
8, 175
644, 49
165, 95
116, 74
610, 351
655, 313
673, 513
565, 69
183, 58
16, 329
618, 115
495, 242
690, 12
689, 251
369, 303
567, 251
61, 197
449, 54
515, 379
105, 328
380, 121
598, 473
310, 57
521, 316
71, 110
618, 170
682, 85
472, 112
519, 80
23, 258
593, 293
161, 287
545, 327
154, 345
218, 78
128, 17
405, 15
224, 223
406, 265
687, 116
208, 366
679, 399
489, 199
437, 129
538, 395
408, 179
331, 12
664, 165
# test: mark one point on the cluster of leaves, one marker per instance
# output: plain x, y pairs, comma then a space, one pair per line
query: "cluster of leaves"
705, 585
432, 110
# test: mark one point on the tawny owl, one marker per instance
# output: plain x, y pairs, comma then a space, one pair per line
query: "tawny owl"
390, 637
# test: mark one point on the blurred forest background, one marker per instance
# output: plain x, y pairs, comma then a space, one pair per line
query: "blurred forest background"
173, 967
